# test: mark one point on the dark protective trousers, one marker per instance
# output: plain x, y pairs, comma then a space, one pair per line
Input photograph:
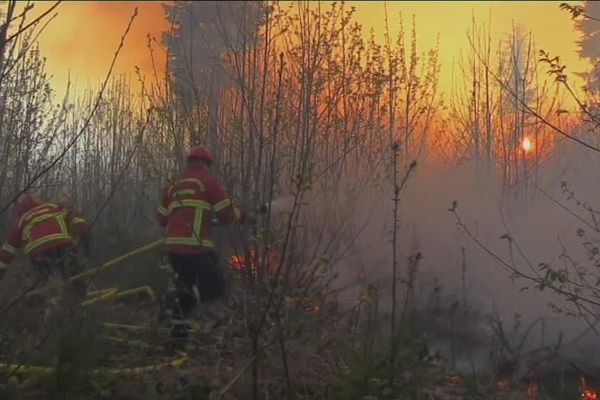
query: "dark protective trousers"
198, 278
60, 262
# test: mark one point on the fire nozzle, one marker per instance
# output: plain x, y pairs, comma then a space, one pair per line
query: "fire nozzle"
262, 209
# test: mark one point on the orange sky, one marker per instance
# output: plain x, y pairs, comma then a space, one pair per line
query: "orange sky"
552, 28
84, 36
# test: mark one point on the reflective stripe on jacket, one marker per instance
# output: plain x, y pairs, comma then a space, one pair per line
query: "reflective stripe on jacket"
42, 228
187, 208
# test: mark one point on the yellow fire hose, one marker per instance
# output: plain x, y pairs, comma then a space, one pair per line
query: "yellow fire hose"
98, 296
39, 370
115, 261
100, 292
130, 342
113, 293
103, 267
132, 327
101, 295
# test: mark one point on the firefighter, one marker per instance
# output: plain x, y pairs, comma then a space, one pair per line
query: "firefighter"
186, 211
45, 232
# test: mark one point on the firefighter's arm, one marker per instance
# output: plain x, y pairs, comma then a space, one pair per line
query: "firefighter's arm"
80, 227
10, 248
162, 212
223, 208
77, 223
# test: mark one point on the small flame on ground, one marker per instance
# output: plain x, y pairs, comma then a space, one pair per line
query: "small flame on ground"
309, 306
532, 389
236, 262
453, 379
239, 263
587, 393
503, 385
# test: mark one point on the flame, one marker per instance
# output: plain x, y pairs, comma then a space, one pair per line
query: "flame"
526, 145
310, 306
532, 389
503, 385
239, 263
587, 393
453, 379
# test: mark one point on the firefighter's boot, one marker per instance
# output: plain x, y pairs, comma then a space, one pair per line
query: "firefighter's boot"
180, 332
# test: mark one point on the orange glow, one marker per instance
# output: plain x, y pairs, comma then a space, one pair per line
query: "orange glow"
454, 379
532, 389
239, 263
552, 28
81, 41
587, 393
310, 306
527, 145
503, 385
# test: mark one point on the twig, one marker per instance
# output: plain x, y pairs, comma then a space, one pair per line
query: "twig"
125, 168
516, 272
38, 175
34, 22
573, 213
526, 106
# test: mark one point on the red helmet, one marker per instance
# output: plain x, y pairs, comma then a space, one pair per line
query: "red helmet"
27, 203
201, 153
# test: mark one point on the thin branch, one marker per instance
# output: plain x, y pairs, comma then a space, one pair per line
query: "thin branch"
32, 23
83, 128
525, 106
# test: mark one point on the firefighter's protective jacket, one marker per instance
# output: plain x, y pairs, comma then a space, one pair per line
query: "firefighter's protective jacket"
187, 209
41, 228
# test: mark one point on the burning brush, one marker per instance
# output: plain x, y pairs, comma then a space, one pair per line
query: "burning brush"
453, 379
503, 385
587, 393
532, 389
241, 264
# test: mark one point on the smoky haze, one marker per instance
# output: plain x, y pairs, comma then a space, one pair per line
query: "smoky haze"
310, 103
357, 213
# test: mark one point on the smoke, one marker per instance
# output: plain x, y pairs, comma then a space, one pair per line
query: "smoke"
357, 209
81, 41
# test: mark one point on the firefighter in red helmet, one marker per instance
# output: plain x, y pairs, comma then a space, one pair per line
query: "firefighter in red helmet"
45, 232
187, 208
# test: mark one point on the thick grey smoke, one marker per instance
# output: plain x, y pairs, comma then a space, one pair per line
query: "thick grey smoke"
359, 209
